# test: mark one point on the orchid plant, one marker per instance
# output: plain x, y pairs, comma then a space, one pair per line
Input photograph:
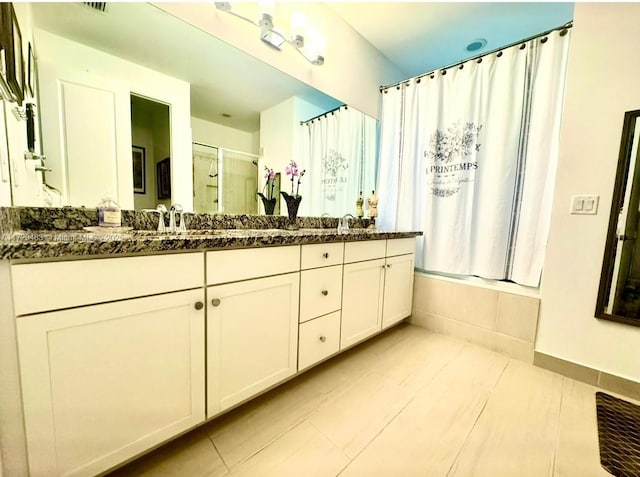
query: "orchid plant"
293, 171
270, 183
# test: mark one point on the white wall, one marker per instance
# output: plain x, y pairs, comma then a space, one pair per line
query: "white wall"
353, 68
281, 141
66, 55
602, 84
214, 134
26, 183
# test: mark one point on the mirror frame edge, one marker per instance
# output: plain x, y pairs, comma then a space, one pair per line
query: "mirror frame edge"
606, 274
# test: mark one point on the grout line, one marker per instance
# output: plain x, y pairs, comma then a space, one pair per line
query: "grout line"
475, 423
378, 434
218, 452
555, 448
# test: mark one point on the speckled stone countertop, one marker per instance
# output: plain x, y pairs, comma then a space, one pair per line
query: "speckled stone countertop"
63, 236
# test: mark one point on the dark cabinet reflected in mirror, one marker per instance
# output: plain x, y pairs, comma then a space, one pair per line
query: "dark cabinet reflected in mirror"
619, 294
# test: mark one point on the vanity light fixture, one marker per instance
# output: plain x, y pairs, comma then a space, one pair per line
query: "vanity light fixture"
276, 38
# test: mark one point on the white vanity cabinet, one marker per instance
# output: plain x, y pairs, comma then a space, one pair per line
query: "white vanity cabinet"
252, 324
320, 302
103, 383
377, 287
398, 281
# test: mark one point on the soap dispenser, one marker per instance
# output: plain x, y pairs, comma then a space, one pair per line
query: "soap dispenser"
109, 214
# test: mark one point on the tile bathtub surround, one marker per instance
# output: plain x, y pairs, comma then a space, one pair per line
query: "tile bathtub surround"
75, 218
408, 403
500, 321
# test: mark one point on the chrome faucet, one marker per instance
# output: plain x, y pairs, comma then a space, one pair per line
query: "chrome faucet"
343, 223
160, 210
176, 209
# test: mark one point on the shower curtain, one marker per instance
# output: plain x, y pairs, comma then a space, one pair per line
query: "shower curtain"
468, 156
340, 150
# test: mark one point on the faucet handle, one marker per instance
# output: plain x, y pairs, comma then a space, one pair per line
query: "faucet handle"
161, 227
182, 227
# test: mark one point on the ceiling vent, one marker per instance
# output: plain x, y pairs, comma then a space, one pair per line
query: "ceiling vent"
98, 6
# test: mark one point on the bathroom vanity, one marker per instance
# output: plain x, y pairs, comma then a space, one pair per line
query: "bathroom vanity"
126, 341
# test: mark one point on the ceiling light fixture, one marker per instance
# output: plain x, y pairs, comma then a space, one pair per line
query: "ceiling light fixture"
313, 52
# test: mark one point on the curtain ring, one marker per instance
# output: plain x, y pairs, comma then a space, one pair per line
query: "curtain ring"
417, 80
479, 60
398, 87
563, 32
499, 54
444, 72
544, 40
461, 66
432, 76
523, 46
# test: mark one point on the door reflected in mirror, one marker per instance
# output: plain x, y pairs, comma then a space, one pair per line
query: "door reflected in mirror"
619, 294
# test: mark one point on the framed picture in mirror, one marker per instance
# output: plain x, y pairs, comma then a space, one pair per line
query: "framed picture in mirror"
139, 166
5, 37
31, 71
15, 69
163, 178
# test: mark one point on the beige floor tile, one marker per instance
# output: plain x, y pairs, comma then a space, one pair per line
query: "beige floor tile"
192, 455
246, 430
413, 362
425, 437
577, 453
352, 419
303, 451
517, 431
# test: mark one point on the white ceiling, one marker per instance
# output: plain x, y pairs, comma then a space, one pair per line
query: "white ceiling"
416, 36
422, 36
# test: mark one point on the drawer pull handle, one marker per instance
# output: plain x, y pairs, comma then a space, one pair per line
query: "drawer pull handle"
325, 292
325, 254
323, 338
199, 305
215, 301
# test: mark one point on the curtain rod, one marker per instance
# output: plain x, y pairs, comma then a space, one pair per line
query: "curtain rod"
566, 26
324, 114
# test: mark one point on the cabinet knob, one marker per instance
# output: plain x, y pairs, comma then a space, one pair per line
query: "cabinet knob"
199, 305
388, 266
325, 254
323, 338
215, 301
325, 292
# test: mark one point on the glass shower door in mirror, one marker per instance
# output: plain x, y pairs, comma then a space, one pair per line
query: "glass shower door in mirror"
224, 181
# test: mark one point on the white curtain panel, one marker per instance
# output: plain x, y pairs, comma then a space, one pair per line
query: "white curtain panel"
340, 149
548, 72
454, 162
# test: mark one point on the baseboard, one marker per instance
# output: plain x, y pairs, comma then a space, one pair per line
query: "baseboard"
588, 375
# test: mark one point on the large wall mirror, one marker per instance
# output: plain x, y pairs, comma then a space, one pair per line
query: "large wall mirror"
619, 294
128, 90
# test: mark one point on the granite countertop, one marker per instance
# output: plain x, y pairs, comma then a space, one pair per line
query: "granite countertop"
47, 244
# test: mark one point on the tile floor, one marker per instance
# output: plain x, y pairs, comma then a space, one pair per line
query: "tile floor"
409, 402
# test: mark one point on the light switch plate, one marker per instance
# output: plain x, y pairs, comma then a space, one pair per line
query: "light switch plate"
584, 204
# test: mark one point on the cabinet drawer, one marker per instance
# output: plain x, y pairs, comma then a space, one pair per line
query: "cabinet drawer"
55, 285
401, 246
225, 266
320, 291
318, 339
366, 250
321, 255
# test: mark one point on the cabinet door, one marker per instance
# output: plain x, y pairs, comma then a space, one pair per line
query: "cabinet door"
103, 383
252, 338
398, 289
361, 301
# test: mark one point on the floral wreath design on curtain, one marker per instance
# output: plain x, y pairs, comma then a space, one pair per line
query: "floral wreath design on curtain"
445, 147
333, 164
